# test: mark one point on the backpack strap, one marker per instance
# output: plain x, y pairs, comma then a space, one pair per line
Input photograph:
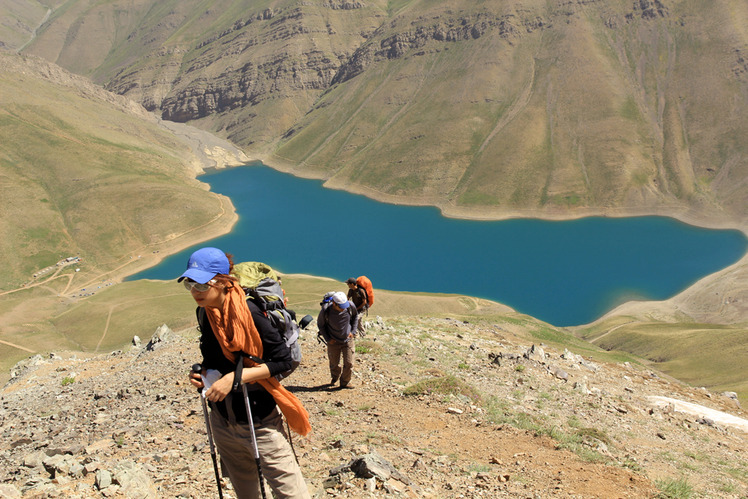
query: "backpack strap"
326, 312
202, 316
200, 313
252, 294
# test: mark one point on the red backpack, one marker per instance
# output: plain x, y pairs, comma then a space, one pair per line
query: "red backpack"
364, 283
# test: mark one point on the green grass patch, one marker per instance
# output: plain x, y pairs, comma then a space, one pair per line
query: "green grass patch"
410, 183
729, 488
330, 410
477, 198
478, 468
674, 488
709, 355
568, 200
632, 465
364, 346
630, 110
582, 441
739, 473
110, 318
444, 385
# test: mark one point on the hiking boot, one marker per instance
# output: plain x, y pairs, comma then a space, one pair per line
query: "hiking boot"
345, 385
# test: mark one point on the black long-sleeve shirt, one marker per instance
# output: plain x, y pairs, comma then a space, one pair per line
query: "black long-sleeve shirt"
275, 353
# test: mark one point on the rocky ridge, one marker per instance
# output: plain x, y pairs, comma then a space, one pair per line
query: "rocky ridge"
521, 420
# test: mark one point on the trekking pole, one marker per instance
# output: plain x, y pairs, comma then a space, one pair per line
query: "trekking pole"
197, 368
250, 421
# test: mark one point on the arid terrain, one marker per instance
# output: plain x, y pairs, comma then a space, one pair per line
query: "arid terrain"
487, 110
561, 108
452, 408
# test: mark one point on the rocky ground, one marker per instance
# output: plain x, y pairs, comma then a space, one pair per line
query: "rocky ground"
438, 408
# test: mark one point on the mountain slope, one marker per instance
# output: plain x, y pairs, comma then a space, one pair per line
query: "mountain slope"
94, 187
74, 157
498, 109
452, 405
554, 109
537, 108
246, 70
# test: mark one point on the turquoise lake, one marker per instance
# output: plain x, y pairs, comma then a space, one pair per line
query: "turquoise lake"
566, 273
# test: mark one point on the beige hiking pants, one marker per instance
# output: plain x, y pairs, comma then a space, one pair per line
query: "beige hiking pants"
279, 466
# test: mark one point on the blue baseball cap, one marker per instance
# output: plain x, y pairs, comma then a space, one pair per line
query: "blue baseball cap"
204, 264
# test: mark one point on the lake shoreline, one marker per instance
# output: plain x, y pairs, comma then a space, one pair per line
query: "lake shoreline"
730, 282
487, 213
496, 214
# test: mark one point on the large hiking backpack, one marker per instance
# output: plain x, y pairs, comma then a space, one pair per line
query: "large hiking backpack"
260, 284
364, 283
325, 304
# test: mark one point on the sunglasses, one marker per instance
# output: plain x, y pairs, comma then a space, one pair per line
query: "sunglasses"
200, 288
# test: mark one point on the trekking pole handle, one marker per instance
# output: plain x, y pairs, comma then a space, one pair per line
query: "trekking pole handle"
198, 369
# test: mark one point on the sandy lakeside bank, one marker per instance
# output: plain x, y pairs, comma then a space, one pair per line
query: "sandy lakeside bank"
690, 216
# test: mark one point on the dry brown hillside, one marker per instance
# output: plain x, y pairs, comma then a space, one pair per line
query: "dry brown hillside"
486, 109
456, 409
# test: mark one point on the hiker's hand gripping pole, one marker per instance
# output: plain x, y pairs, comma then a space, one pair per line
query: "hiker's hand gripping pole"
197, 368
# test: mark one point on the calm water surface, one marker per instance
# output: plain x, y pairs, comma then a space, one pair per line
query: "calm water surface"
565, 273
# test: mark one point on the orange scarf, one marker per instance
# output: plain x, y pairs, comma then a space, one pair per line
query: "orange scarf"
235, 330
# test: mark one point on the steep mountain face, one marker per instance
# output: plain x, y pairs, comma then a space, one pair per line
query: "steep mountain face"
18, 22
248, 70
562, 107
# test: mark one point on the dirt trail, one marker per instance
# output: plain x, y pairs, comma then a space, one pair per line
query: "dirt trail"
519, 105
16, 346
611, 330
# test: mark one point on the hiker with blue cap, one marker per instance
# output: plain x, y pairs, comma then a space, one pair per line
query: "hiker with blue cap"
242, 353
337, 325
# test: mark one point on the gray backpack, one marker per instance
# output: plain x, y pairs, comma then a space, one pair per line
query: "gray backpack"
260, 284
268, 296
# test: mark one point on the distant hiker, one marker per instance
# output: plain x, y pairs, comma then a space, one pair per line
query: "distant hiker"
230, 325
357, 295
337, 325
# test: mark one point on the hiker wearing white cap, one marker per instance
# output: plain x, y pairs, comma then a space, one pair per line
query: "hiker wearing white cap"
337, 324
